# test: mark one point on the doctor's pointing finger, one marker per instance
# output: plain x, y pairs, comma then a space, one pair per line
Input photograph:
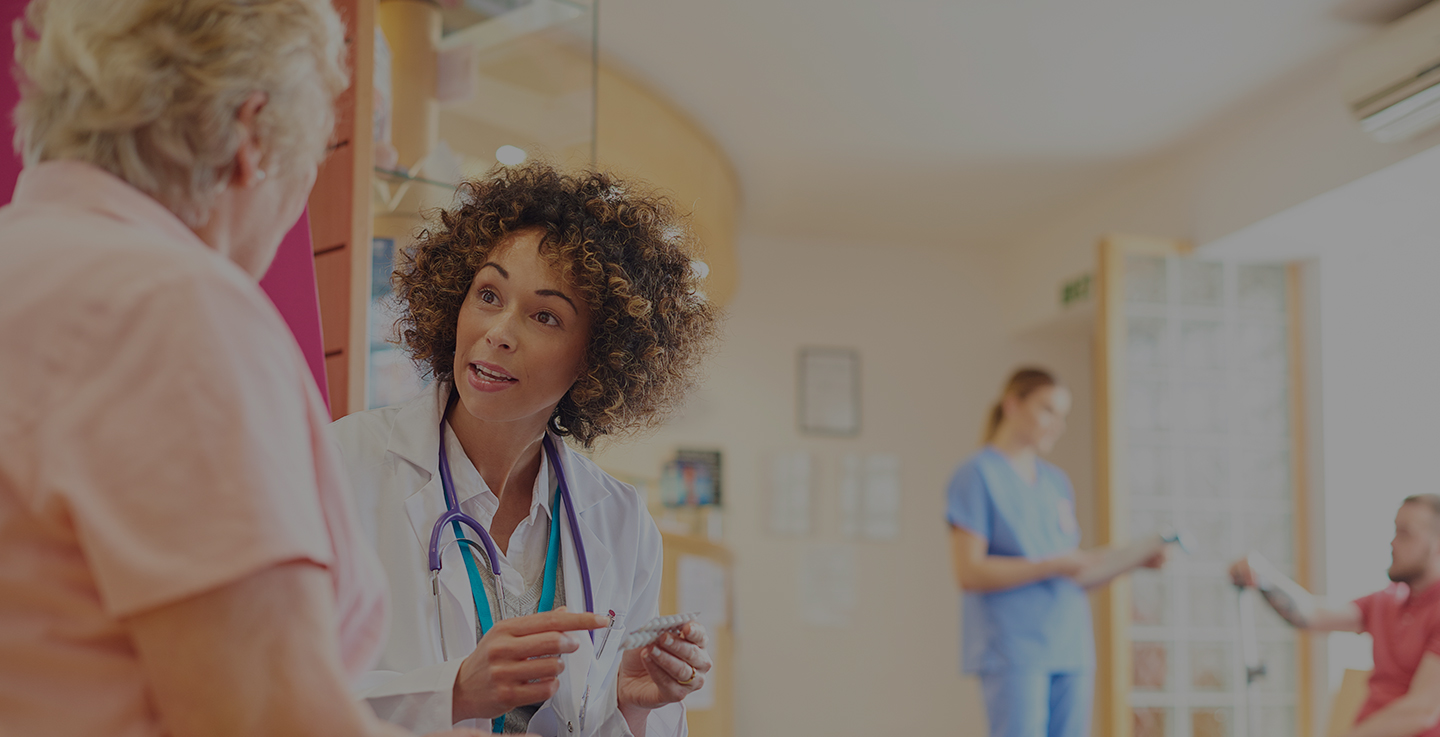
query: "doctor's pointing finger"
517, 662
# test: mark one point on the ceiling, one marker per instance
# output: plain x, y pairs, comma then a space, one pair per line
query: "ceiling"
957, 120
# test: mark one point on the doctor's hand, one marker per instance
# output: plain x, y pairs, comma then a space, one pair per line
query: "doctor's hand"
518, 662
664, 671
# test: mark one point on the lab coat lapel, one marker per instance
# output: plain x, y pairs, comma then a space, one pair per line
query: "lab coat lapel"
423, 508
584, 494
598, 664
415, 434
583, 668
598, 556
415, 437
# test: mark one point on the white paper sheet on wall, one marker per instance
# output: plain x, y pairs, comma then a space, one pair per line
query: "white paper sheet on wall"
870, 496
882, 496
701, 588
790, 493
852, 487
828, 589
830, 386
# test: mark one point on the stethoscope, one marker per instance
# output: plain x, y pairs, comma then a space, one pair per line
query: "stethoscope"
458, 520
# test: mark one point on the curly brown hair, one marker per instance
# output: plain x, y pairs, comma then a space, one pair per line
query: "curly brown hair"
625, 249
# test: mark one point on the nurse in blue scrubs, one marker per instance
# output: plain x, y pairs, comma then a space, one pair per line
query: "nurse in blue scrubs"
1016, 544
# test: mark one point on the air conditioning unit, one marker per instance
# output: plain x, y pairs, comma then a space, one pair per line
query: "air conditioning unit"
1392, 80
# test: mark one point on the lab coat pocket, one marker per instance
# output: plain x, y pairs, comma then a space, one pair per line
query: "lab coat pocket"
546, 721
602, 673
615, 631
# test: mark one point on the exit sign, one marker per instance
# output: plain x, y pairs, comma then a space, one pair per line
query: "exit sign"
1075, 290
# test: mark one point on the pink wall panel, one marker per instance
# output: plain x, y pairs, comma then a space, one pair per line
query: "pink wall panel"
10, 11
291, 286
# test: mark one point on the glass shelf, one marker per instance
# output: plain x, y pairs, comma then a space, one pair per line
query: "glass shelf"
517, 73
396, 176
391, 187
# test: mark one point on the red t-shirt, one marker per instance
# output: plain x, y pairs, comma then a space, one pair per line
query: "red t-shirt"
1404, 629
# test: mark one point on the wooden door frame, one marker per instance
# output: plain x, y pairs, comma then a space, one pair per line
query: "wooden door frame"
1112, 502
1305, 723
1114, 664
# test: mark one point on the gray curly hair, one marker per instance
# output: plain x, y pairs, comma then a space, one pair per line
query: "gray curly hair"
148, 89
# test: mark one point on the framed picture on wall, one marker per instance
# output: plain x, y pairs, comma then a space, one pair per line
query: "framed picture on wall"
829, 392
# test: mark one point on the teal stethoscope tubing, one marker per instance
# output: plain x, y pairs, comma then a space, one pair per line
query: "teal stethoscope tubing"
459, 520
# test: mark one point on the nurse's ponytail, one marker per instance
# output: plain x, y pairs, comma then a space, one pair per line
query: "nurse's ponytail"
1024, 382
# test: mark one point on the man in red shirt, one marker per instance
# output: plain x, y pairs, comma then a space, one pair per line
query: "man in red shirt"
1403, 619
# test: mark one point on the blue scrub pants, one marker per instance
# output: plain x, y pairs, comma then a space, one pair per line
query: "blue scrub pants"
1021, 704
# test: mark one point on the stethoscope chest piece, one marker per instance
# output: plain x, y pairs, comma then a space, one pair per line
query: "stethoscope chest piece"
458, 521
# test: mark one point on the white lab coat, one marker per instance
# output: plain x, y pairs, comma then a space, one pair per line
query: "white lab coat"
392, 456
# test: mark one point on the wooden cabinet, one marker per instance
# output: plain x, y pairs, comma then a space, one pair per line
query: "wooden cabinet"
713, 715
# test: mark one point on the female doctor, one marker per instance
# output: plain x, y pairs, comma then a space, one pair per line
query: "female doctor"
546, 306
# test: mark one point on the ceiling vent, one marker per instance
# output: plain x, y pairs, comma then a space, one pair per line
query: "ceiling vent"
1392, 80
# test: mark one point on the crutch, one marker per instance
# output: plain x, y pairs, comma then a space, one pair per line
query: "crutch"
1250, 655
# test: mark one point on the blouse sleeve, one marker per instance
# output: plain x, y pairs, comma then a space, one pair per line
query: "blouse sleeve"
183, 457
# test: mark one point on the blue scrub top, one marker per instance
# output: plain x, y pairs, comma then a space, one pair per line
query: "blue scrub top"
1041, 626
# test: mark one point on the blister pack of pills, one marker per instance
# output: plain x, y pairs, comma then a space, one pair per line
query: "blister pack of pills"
656, 627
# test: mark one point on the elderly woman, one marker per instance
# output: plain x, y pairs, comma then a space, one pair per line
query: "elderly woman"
547, 306
177, 553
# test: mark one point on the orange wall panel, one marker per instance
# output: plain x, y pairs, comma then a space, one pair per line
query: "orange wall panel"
332, 277
337, 376
330, 201
340, 216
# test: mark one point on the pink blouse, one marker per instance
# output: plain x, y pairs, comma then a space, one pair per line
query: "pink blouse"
160, 436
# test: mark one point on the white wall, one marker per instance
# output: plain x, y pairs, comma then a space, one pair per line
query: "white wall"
1382, 410
1376, 241
1289, 175
939, 327
933, 354
1291, 143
